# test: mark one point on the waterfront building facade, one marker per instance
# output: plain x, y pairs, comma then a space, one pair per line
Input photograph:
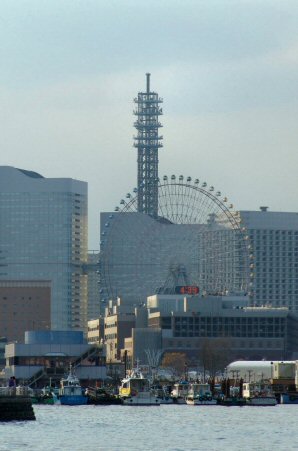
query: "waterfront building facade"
274, 240
245, 332
48, 354
118, 323
43, 236
95, 332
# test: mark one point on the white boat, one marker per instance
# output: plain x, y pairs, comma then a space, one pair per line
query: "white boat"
200, 395
70, 392
135, 390
179, 392
258, 394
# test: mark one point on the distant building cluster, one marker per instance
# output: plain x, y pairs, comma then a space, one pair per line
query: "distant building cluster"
179, 271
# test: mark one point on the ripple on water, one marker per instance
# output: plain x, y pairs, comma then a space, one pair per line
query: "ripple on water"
175, 428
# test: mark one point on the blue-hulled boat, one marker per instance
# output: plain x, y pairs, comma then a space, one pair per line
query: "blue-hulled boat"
70, 392
289, 398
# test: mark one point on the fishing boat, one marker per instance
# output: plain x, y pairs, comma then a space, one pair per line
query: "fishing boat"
44, 396
200, 395
258, 394
135, 390
179, 392
70, 392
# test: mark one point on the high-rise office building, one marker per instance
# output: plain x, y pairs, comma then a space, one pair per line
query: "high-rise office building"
43, 236
274, 239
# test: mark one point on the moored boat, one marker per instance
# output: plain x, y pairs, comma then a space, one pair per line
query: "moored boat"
258, 394
135, 390
179, 392
70, 392
289, 398
101, 396
200, 395
162, 394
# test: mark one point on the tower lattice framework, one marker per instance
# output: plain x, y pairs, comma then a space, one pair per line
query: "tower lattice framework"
148, 142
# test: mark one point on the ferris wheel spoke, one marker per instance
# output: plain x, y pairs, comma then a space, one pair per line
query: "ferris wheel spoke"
213, 252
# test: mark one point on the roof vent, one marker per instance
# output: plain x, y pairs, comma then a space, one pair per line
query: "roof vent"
264, 208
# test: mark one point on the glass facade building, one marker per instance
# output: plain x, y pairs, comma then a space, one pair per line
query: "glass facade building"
43, 236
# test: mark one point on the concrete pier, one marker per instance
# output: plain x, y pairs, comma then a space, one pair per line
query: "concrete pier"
15, 405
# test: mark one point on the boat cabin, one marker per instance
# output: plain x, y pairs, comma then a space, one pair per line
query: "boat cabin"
199, 390
180, 390
134, 384
251, 389
70, 386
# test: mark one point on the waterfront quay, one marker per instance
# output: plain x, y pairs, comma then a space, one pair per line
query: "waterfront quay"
15, 404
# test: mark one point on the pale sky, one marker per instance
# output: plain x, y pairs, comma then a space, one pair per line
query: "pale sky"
226, 69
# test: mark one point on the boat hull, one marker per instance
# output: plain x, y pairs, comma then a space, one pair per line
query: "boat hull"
261, 401
165, 400
75, 400
289, 399
197, 402
141, 401
178, 400
232, 402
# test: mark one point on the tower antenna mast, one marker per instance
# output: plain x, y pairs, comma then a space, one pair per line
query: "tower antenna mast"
148, 142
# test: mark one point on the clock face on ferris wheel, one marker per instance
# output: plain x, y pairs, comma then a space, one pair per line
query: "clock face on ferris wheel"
196, 245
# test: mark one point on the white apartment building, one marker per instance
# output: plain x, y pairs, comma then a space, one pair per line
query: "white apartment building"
274, 240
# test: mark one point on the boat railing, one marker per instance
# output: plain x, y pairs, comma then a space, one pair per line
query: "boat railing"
15, 391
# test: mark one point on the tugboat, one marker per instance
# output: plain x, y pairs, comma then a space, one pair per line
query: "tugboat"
70, 392
200, 395
135, 390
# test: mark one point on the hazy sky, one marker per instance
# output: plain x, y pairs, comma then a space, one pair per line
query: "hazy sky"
227, 71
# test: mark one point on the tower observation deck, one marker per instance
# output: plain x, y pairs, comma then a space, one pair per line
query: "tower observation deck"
148, 142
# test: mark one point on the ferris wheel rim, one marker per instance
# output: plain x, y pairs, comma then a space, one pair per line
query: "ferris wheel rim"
232, 216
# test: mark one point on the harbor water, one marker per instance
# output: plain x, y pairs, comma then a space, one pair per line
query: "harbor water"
179, 427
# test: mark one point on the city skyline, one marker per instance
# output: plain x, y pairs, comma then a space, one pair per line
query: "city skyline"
227, 72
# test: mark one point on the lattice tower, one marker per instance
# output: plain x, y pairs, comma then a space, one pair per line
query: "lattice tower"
148, 142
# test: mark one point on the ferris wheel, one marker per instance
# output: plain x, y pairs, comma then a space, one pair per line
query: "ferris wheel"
197, 241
